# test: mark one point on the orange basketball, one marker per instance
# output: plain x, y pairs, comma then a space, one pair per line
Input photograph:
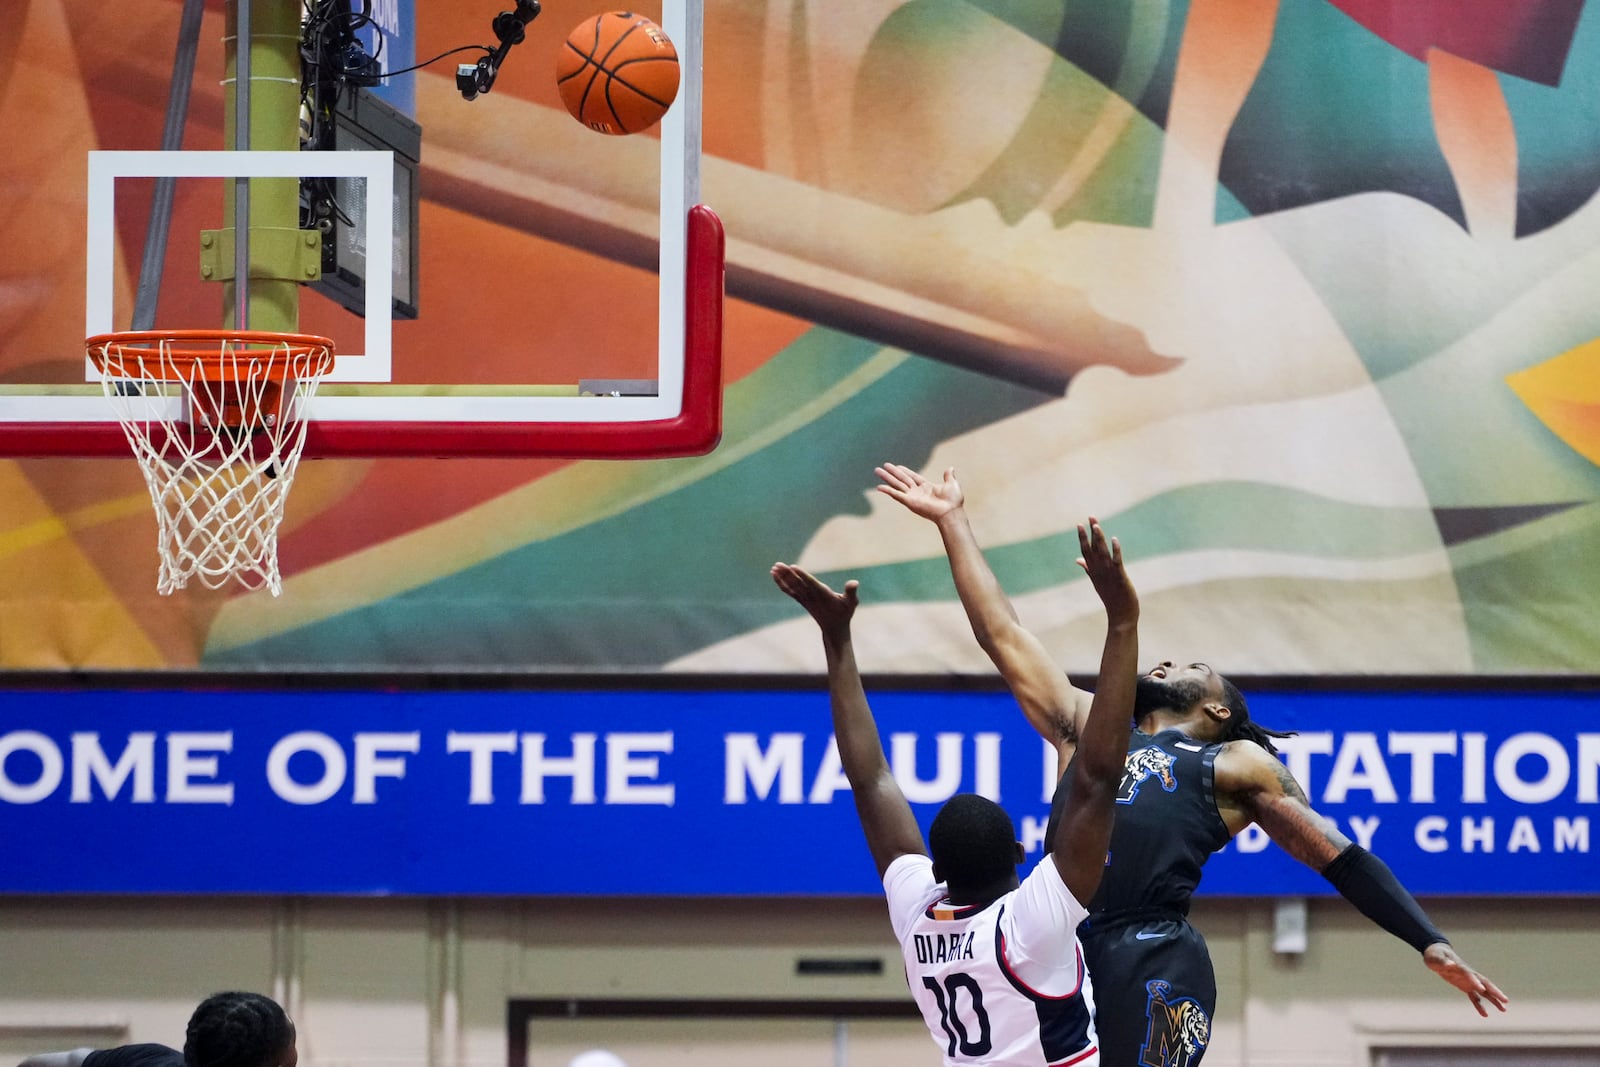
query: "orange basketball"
618, 73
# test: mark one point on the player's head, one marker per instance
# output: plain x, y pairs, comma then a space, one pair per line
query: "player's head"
597, 1058
1183, 691
1211, 706
974, 848
239, 1030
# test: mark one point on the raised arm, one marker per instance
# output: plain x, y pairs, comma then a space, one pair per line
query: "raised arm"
1252, 785
1052, 704
886, 820
1083, 836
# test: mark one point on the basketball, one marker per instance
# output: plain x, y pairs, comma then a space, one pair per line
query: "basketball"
618, 73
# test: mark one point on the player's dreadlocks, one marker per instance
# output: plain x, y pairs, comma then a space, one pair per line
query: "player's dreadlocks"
1240, 728
237, 1030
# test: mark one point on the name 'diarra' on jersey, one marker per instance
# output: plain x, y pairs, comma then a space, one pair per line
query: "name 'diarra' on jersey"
941, 948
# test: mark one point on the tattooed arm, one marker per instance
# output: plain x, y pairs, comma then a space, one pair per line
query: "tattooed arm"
1253, 786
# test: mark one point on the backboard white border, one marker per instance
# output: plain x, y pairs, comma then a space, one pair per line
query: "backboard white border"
680, 150
375, 363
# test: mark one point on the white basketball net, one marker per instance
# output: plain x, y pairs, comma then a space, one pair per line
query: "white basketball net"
218, 482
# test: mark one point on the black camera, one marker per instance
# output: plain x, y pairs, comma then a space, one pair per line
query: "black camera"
511, 27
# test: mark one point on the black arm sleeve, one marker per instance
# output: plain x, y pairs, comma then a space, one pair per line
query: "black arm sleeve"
1368, 883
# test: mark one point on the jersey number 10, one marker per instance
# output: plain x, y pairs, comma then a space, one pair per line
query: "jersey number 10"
950, 1019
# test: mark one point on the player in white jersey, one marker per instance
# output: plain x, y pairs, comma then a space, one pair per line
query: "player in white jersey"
994, 963
1002, 982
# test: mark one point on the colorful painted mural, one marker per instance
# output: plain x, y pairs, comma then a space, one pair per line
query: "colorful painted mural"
1296, 297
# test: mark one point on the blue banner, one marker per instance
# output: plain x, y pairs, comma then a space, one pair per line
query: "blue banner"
710, 792
391, 36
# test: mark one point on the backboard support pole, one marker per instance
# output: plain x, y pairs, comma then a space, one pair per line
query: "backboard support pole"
262, 112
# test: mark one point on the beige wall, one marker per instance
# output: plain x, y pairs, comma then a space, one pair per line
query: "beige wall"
424, 983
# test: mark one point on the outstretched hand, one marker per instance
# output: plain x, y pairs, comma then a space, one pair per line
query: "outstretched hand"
1102, 561
1443, 961
832, 611
931, 500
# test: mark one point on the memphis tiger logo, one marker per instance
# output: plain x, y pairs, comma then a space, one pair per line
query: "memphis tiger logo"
1149, 762
1178, 1029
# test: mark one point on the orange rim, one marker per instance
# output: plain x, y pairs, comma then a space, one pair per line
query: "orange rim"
214, 352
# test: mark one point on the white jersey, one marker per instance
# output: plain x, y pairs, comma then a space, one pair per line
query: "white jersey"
1000, 984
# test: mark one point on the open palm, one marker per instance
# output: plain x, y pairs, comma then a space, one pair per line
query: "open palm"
831, 610
931, 500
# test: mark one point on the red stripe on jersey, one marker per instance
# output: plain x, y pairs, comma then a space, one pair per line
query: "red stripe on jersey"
1005, 965
1079, 1058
